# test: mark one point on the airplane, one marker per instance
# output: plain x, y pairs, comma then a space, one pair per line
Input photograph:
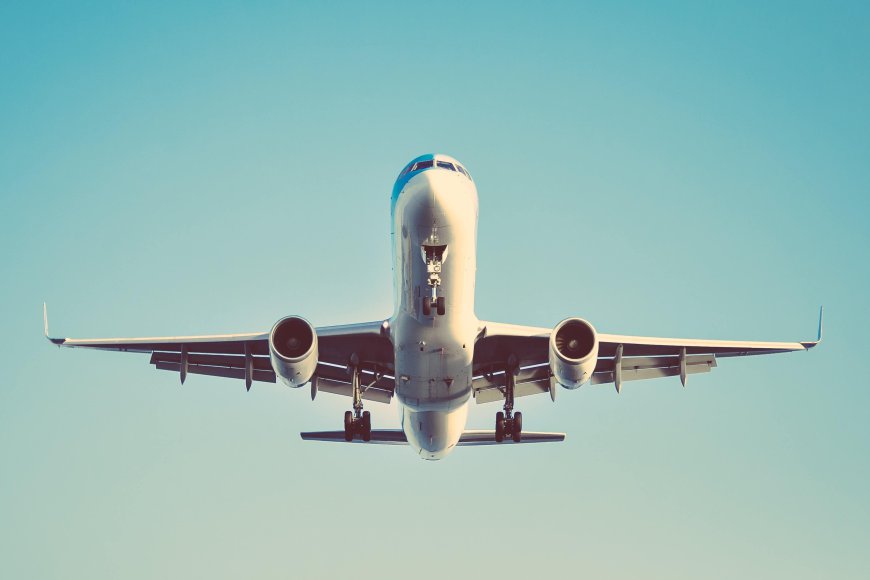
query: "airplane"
433, 354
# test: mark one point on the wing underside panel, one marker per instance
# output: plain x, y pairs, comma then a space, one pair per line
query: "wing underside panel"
640, 357
336, 380
536, 380
246, 356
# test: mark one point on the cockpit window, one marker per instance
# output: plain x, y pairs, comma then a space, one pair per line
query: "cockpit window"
429, 163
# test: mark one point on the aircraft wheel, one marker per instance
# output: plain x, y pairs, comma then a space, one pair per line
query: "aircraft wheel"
366, 426
517, 430
440, 306
348, 426
427, 307
499, 427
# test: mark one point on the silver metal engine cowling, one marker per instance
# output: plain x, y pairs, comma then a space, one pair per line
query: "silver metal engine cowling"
573, 352
293, 350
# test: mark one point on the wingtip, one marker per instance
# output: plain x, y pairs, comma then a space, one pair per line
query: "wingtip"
811, 344
57, 341
821, 321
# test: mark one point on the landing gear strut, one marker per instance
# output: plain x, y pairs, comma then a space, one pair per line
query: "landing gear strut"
434, 257
508, 423
357, 422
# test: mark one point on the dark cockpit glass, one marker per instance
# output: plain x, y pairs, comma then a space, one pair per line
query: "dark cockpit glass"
430, 163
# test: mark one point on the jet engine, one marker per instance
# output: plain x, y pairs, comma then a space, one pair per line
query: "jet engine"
573, 352
293, 350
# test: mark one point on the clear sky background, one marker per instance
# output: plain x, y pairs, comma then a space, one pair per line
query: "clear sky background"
686, 169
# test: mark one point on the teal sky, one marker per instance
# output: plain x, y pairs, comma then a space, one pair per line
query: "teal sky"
688, 169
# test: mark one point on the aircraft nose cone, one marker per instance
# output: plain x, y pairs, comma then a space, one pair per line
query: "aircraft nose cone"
434, 195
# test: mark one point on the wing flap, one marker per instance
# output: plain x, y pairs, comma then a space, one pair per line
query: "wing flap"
232, 373
369, 394
258, 343
536, 380
493, 393
261, 363
331, 379
648, 370
497, 379
490, 387
336, 380
368, 379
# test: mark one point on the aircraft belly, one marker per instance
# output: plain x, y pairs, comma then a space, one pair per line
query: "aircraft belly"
434, 378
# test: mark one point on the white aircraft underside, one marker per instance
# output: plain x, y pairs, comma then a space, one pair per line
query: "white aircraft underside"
433, 354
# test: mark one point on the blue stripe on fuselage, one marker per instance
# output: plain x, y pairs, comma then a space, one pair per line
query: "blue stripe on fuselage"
403, 179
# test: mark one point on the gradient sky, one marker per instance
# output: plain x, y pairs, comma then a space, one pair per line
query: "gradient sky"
683, 170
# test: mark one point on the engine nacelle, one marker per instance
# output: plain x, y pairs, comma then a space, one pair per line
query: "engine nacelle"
293, 350
573, 352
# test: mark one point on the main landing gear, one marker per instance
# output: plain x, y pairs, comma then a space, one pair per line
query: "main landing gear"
508, 423
357, 422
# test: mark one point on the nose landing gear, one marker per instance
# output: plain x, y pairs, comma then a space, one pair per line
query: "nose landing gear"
434, 257
437, 302
508, 423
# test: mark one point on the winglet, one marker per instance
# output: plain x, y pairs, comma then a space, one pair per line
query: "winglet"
811, 344
821, 320
57, 341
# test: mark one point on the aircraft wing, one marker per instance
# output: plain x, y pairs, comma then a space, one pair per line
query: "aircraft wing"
635, 357
246, 356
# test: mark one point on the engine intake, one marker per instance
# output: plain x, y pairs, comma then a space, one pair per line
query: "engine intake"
573, 352
293, 350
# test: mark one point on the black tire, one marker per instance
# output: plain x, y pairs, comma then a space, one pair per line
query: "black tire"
427, 307
348, 426
366, 426
517, 431
440, 305
499, 427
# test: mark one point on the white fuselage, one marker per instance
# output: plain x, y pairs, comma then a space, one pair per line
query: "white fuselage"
433, 353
